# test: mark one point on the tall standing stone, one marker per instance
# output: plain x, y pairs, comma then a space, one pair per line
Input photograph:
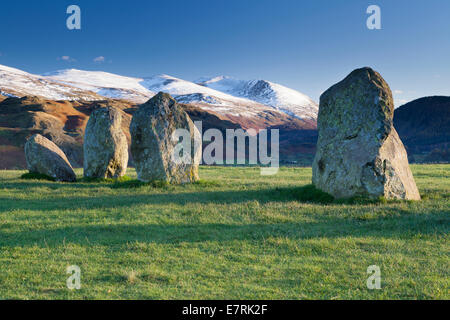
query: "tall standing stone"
358, 150
105, 145
153, 145
44, 157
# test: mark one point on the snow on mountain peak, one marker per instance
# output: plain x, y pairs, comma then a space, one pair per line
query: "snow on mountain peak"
221, 94
100, 81
268, 93
208, 80
12, 70
15, 82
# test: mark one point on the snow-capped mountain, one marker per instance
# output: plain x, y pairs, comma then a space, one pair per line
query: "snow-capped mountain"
103, 83
140, 90
209, 99
15, 82
265, 92
230, 98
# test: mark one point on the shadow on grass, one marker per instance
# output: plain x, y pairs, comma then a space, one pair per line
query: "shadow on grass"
176, 195
36, 176
33, 183
306, 194
398, 227
125, 182
105, 180
133, 184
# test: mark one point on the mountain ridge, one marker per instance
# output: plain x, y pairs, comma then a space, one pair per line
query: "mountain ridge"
266, 92
262, 106
110, 85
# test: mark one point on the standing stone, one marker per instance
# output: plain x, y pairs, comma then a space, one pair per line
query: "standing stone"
105, 145
153, 145
359, 153
44, 157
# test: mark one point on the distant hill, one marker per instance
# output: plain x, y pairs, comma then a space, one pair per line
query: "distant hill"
424, 127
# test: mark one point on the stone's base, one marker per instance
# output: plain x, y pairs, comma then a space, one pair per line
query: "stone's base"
387, 174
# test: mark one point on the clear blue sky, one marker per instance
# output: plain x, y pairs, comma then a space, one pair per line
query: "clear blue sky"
306, 45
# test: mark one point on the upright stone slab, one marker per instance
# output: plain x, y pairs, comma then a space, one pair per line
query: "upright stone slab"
359, 153
44, 157
153, 145
105, 145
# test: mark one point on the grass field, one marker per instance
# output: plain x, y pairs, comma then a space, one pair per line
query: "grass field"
235, 235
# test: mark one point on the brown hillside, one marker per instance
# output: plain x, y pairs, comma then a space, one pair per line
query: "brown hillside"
63, 122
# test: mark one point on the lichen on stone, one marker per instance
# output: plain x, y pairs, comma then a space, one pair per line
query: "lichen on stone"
359, 152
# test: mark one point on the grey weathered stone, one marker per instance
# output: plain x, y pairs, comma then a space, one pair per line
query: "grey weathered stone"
152, 145
105, 145
44, 157
358, 150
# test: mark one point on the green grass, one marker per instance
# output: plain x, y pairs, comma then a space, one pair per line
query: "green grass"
233, 235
